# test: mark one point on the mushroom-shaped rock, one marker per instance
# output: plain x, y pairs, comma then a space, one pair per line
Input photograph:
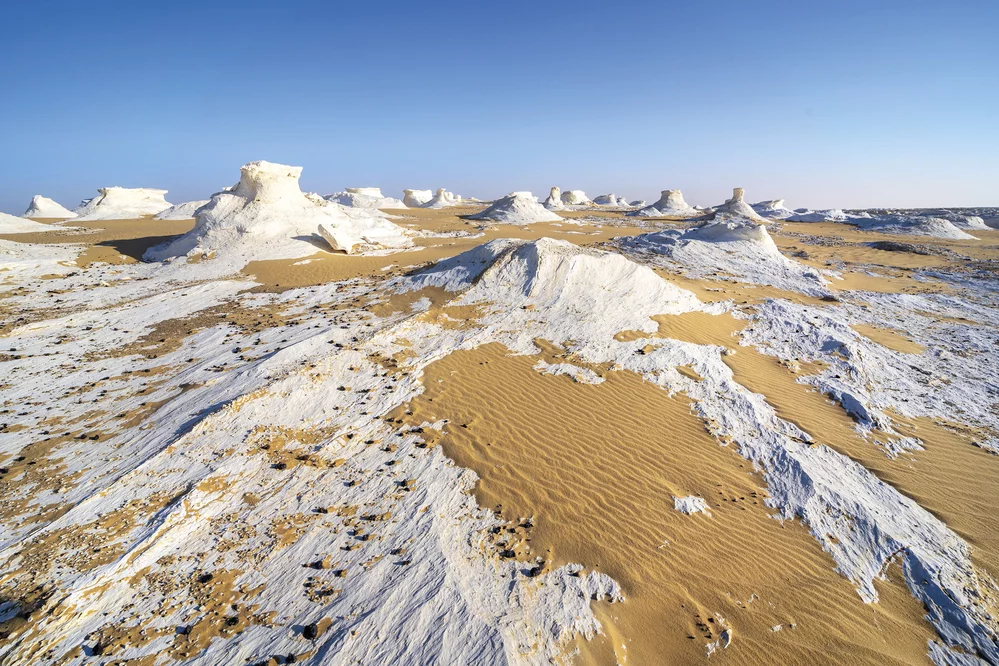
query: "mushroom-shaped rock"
268, 216
554, 200
43, 208
516, 208
416, 198
575, 198
442, 199
670, 204
123, 203
737, 206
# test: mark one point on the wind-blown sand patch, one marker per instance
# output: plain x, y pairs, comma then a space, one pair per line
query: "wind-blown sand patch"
594, 469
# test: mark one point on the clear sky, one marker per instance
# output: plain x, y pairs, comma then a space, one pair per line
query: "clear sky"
826, 104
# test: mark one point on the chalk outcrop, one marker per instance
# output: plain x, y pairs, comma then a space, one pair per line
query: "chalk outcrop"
575, 198
43, 208
123, 203
184, 211
443, 199
737, 207
670, 204
827, 215
416, 198
773, 210
554, 200
517, 208
610, 200
10, 224
268, 216
365, 197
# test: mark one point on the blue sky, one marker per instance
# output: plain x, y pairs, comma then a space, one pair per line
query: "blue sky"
825, 104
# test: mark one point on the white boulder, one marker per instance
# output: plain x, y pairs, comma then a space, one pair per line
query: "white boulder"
575, 198
517, 208
416, 198
123, 203
268, 216
554, 200
43, 208
610, 200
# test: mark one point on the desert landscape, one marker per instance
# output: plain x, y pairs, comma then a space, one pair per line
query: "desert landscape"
274, 426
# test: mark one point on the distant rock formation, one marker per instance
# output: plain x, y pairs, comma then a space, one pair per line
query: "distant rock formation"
575, 198
670, 204
365, 197
610, 200
554, 200
416, 198
773, 210
517, 208
184, 211
443, 199
123, 203
43, 208
268, 216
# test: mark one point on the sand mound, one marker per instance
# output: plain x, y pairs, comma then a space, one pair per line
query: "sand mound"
670, 204
184, 211
773, 210
416, 198
737, 207
18, 225
267, 216
554, 200
123, 203
516, 208
365, 197
575, 198
736, 247
443, 199
44, 208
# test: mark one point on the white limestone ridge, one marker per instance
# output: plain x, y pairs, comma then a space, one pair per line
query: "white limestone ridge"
734, 246
365, 197
554, 200
416, 198
575, 198
670, 204
183, 211
773, 210
610, 200
737, 206
123, 203
517, 208
43, 208
827, 215
268, 216
10, 224
443, 199
913, 225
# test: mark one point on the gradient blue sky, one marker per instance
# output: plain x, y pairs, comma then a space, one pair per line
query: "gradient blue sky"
823, 103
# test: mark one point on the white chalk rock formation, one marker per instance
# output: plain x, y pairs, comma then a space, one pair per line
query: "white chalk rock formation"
517, 208
416, 198
10, 224
184, 211
575, 198
638, 203
610, 200
827, 215
773, 210
733, 246
554, 200
43, 208
443, 199
691, 504
365, 197
268, 216
737, 207
670, 204
123, 203
912, 225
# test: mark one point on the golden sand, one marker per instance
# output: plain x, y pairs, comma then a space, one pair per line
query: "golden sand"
894, 340
596, 468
